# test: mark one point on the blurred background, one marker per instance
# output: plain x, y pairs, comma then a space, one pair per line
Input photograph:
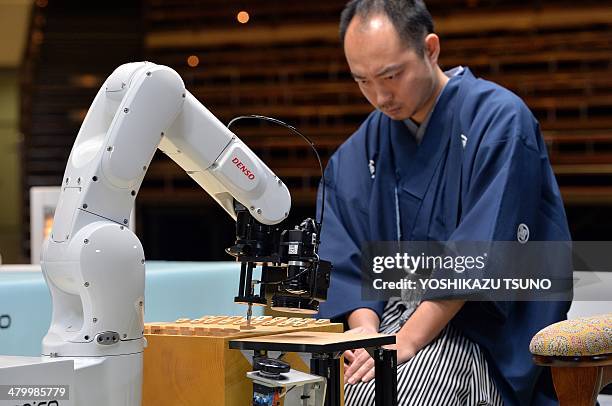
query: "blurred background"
283, 59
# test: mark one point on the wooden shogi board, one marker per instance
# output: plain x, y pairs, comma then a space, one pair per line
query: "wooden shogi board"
189, 363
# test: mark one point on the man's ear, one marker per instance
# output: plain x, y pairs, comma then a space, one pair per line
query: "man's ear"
432, 48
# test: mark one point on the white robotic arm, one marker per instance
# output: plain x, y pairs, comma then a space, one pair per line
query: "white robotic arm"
93, 264
142, 106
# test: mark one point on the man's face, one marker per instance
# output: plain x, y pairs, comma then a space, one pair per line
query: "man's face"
393, 77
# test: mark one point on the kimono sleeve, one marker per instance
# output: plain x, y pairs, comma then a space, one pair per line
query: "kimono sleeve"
343, 231
503, 189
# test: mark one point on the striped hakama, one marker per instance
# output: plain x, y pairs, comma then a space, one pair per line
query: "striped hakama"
450, 371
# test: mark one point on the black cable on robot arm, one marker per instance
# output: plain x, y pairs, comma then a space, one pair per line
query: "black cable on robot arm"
308, 140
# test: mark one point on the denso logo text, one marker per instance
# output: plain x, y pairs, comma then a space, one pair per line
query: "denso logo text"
243, 168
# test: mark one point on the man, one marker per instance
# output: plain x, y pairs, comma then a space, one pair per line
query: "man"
444, 157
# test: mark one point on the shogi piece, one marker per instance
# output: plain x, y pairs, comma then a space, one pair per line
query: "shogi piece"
189, 363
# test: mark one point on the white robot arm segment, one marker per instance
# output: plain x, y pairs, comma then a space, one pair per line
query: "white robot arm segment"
223, 165
142, 106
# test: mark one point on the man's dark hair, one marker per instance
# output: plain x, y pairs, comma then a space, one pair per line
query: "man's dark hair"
410, 18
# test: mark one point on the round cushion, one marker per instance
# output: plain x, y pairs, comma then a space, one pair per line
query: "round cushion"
581, 337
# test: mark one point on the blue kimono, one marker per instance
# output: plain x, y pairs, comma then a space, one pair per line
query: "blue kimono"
480, 171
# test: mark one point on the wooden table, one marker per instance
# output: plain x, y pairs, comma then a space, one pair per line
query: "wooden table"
326, 349
189, 363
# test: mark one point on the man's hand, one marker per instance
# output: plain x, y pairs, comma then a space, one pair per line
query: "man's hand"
361, 365
422, 327
355, 359
361, 321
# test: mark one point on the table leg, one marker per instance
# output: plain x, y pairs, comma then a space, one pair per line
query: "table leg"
385, 368
328, 366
